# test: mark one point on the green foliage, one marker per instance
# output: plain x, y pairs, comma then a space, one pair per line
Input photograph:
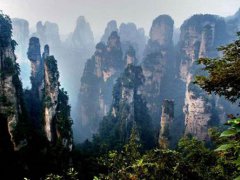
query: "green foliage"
10, 68
64, 121
223, 73
223, 79
6, 30
229, 149
51, 64
71, 174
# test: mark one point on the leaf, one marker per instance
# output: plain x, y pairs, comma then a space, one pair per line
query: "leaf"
224, 147
237, 178
237, 162
234, 121
229, 132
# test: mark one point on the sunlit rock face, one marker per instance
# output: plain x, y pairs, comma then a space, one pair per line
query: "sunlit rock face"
51, 88
160, 67
200, 36
97, 81
56, 115
11, 101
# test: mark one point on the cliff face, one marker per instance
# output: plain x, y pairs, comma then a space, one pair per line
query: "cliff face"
11, 103
57, 120
167, 118
128, 110
97, 81
51, 88
160, 67
34, 55
47, 95
200, 36
158, 64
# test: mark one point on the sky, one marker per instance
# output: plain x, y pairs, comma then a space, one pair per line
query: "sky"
99, 12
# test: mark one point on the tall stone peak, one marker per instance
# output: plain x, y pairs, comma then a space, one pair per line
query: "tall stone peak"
111, 26
46, 51
128, 111
160, 68
200, 36
199, 20
47, 99
133, 36
168, 107
34, 51
167, 118
48, 33
163, 19
162, 30
99, 76
82, 35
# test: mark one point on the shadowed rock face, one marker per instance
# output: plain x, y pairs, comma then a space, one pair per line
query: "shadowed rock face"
111, 26
11, 100
200, 36
97, 81
34, 55
37, 77
132, 36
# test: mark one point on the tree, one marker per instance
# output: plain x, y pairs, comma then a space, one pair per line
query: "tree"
223, 73
223, 78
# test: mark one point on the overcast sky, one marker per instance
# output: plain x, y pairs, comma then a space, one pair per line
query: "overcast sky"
99, 12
